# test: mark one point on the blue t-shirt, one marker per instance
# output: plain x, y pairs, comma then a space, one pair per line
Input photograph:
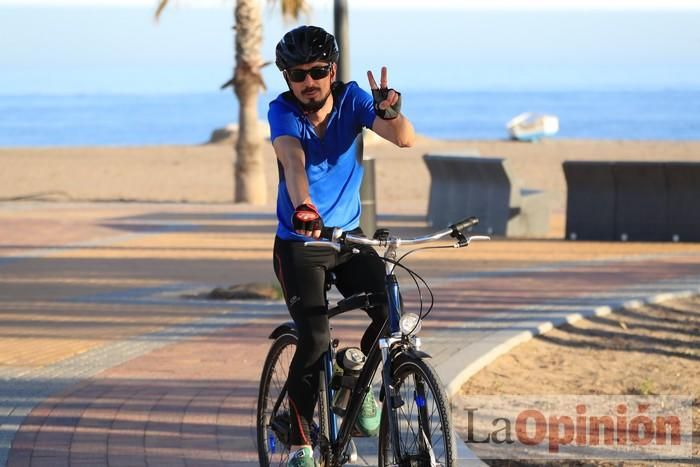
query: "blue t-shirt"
332, 166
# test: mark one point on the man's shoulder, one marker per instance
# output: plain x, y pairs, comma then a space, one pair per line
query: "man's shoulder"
284, 118
351, 88
349, 94
284, 103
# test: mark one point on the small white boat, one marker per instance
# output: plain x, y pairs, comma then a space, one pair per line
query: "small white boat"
529, 126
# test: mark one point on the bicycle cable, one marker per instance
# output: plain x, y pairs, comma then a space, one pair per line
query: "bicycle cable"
414, 275
417, 277
430, 291
423, 248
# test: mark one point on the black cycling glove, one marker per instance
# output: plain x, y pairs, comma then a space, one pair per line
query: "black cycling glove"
306, 218
390, 112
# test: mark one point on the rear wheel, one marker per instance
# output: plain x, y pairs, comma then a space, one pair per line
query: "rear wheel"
425, 436
273, 429
273, 414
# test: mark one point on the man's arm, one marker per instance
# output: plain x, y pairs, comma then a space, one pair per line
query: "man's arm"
291, 155
306, 219
399, 130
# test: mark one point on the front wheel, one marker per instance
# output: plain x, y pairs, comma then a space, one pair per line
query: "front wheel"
425, 436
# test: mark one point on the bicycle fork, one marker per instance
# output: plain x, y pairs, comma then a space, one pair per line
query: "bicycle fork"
392, 399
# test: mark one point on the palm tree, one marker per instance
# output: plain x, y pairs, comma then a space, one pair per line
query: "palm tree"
247, 83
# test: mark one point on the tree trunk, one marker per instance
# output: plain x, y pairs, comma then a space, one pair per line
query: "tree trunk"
249, 175
341, 30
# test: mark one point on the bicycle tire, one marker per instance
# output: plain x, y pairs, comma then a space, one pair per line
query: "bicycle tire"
273, 449
321, 416
273, 442
424, 421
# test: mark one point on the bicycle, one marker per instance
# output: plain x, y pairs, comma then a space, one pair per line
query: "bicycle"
415, 427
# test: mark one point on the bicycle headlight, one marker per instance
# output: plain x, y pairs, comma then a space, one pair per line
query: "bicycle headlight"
410, 324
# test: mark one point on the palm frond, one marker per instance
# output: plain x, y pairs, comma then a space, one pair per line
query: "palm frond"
292, 9
161, 6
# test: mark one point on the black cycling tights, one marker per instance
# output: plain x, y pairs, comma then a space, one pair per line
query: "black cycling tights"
302, 272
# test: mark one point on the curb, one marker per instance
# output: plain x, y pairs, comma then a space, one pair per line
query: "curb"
457, 370
480, 354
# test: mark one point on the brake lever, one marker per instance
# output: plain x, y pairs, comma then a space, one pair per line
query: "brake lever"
465, 241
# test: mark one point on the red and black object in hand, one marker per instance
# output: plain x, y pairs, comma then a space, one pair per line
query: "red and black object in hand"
307, 221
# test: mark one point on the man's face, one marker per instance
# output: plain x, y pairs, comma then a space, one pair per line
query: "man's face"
315, 85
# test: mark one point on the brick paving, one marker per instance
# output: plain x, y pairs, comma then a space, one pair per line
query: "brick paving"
103, 363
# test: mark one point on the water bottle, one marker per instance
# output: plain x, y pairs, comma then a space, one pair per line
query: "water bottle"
350, 360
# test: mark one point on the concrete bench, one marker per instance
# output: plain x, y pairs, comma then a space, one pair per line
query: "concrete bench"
635, 201
466, 185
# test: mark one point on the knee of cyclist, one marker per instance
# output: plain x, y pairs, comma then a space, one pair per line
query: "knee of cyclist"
313, 343
317, 343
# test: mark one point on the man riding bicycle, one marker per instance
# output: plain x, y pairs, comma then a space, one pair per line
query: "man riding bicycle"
314, 128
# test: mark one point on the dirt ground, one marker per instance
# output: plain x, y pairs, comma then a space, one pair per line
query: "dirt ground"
652, 350
204, 173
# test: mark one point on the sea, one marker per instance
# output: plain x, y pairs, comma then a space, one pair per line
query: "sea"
156, 119
109, 75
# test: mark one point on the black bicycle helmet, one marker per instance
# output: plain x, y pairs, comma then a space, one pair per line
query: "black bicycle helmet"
306, 44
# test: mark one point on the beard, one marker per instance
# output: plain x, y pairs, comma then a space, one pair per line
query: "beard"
314, 105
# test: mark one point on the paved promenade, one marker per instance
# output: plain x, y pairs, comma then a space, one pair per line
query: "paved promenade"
103, 362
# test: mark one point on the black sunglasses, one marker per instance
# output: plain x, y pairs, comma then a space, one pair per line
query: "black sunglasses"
317, 72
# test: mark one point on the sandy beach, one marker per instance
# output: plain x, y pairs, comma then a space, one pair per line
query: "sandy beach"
648, 351
204, 173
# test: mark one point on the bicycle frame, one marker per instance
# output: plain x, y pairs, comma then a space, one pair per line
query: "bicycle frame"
379, 352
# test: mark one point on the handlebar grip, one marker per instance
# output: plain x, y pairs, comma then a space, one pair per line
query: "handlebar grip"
327, 233
464, 224
333, 234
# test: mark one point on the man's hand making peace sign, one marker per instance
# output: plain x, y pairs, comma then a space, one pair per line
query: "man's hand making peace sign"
390, 124
387, 101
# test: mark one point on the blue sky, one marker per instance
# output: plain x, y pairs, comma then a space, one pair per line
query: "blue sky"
55, 48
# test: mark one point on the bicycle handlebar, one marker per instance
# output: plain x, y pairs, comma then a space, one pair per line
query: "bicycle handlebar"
465, 224
340, 240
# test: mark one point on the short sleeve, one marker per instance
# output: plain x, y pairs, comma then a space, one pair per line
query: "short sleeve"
365, 105
283, 121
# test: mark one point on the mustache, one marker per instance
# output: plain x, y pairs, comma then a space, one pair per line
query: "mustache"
311, 89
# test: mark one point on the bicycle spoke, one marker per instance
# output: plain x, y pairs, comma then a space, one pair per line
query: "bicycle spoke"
273, 430
422, 421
